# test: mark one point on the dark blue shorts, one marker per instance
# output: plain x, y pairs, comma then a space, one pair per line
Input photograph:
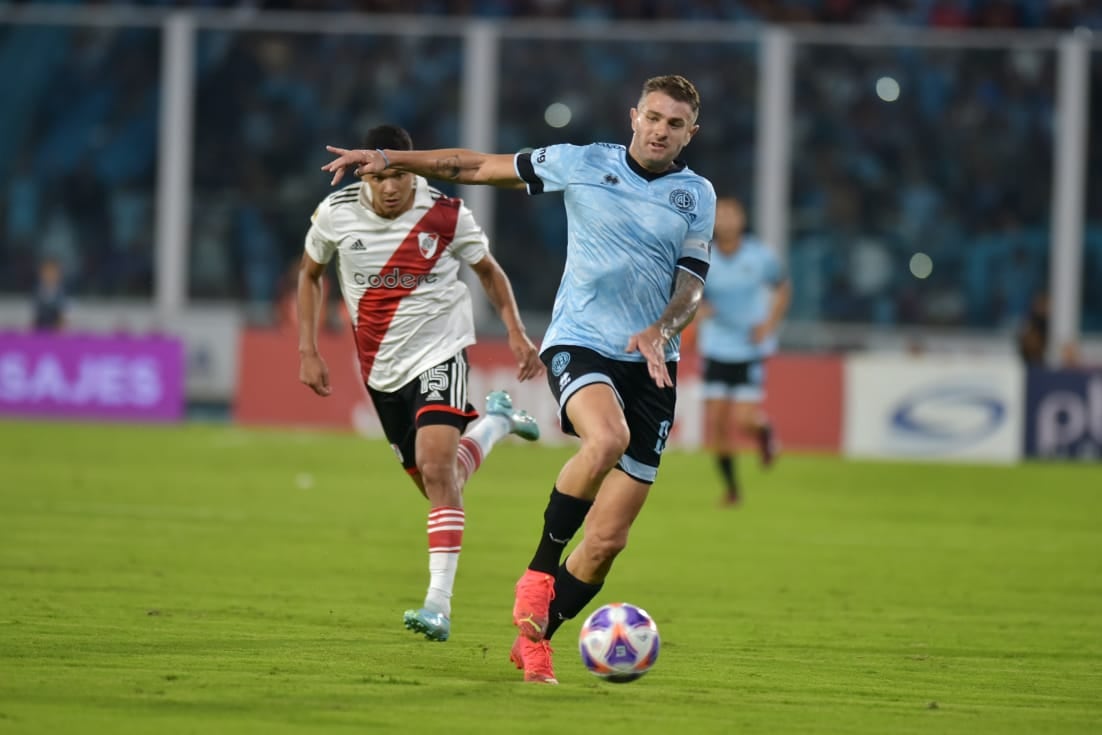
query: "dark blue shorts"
733, 381
648, 409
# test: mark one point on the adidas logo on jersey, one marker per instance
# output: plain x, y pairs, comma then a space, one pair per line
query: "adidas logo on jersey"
434, 396
358, 245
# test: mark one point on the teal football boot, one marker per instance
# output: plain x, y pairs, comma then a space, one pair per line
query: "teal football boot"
433, 625
521, 423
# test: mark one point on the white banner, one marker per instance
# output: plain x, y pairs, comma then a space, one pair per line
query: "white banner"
941, 408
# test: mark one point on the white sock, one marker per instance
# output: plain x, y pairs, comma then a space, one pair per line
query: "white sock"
445, 530
477, 441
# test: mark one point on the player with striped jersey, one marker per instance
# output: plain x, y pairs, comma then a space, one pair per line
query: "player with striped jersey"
638, 226
399, 244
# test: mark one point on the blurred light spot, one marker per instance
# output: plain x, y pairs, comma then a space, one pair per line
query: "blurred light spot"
557, 115
921, 265
887, 89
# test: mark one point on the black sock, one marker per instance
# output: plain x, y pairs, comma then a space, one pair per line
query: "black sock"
563, 517
571, 597
727, 468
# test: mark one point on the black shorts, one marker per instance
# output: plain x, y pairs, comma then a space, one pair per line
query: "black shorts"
648, 409
733, 381
436, 397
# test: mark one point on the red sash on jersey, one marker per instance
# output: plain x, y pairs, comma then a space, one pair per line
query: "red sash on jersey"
416, 256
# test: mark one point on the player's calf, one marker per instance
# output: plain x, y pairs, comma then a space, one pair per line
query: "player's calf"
767, 445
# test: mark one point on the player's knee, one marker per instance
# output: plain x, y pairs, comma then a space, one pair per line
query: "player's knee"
606, 448
746, 415
436, 472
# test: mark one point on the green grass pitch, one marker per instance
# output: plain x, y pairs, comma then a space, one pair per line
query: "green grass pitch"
209, 579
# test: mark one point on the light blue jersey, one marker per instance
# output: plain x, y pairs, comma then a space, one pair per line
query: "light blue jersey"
629, 231
739, 287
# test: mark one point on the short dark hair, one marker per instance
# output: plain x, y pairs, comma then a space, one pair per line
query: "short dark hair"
675, 86
388, 137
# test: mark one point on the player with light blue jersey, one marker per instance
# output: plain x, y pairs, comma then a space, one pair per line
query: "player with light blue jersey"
629, 231
740, 290
639, 223
745, 299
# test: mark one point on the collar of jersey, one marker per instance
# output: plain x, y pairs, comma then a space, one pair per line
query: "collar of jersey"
678, 165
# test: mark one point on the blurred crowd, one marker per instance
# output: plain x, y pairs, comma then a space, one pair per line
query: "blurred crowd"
78, 131
897, 153
935, 13
956, 170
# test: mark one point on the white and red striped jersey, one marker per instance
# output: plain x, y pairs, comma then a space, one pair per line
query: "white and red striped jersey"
400, 278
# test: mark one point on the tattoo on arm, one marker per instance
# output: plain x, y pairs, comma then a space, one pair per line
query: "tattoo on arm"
679, 312
446, 168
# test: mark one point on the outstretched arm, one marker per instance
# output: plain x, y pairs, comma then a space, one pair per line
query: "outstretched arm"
651, 342
449, 164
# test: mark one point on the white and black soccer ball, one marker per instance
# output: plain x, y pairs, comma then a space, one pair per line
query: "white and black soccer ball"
619, 642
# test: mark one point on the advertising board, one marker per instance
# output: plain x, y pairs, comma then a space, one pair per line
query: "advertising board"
86, 376
966, 408
1064, 414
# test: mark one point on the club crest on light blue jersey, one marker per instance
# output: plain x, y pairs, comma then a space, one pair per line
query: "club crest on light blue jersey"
683, 199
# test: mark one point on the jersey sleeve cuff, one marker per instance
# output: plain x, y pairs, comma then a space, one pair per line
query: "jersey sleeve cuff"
527, 172
698, 268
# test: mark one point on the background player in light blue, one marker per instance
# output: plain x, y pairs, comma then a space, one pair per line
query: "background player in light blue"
745, 300
638, 226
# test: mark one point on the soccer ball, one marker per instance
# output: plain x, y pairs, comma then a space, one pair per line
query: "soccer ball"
619, 642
